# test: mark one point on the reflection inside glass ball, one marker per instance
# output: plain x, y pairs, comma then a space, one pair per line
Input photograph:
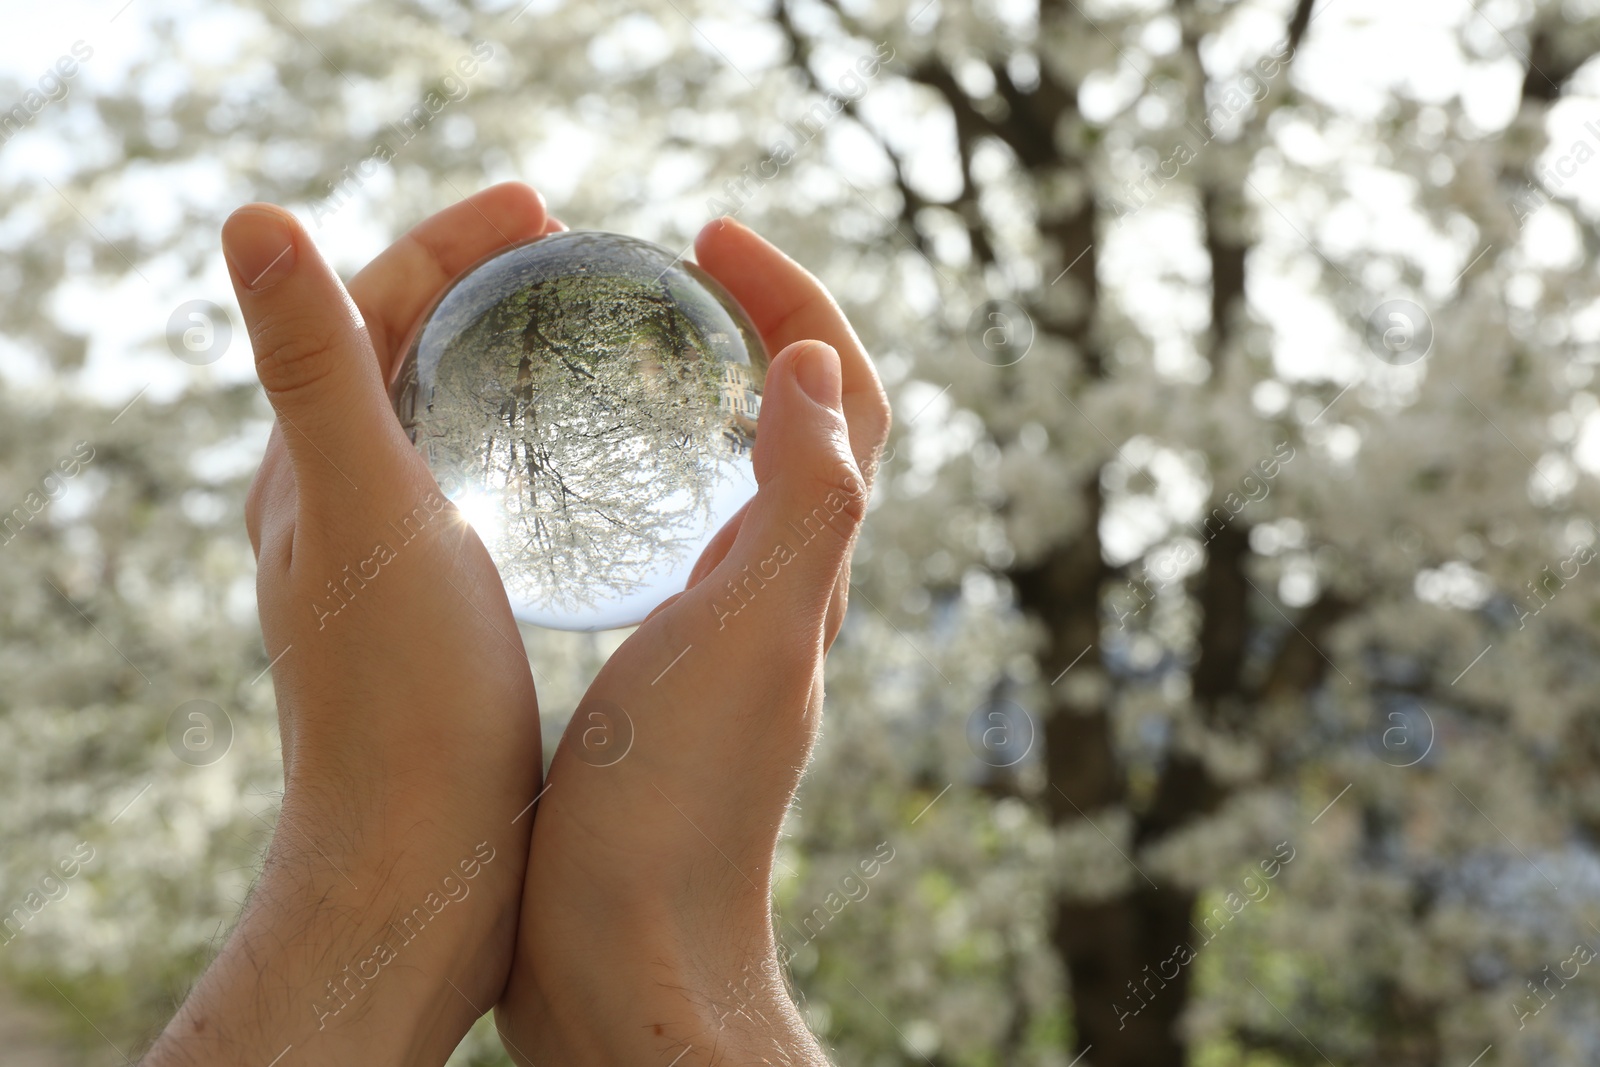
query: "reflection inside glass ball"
589, 402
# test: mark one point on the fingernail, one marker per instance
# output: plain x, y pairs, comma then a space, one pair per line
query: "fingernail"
259, 247
820, 375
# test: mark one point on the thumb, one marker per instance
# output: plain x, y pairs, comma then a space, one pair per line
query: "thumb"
780, 573
312, 354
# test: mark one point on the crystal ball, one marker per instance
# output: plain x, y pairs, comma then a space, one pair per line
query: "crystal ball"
589, 401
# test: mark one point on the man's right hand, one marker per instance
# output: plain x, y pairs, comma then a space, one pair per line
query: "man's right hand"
646, 927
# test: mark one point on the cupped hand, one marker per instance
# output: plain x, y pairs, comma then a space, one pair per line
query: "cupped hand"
409, 725
646, 931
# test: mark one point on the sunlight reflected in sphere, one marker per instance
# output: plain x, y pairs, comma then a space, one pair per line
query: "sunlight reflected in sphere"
589, 402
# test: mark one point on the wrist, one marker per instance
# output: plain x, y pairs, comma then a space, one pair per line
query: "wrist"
346, 957
413, 965
652, 992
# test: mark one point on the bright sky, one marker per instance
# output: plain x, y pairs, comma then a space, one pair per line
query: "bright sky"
1358, 51
126, 324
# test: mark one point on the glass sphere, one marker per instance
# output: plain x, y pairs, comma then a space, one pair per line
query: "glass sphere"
589, 401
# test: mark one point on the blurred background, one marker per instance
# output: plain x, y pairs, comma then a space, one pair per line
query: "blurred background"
1220, 681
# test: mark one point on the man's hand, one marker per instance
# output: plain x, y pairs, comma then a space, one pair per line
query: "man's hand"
384, 920
646, 932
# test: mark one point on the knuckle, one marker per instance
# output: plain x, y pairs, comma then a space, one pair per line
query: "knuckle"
269, 503
292, 355
841, 497
252, 508
881, 414
879, 421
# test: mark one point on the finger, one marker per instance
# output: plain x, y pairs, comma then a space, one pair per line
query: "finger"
788, 305
780, 573
554, 225
715, 552
270, 501
717, 548
394, 290
312, 356
274, 539
661, 607
837, 606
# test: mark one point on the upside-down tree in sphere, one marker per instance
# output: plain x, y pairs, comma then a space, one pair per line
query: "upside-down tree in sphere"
1181, 618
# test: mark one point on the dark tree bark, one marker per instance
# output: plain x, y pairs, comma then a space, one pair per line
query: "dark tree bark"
1112, 950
